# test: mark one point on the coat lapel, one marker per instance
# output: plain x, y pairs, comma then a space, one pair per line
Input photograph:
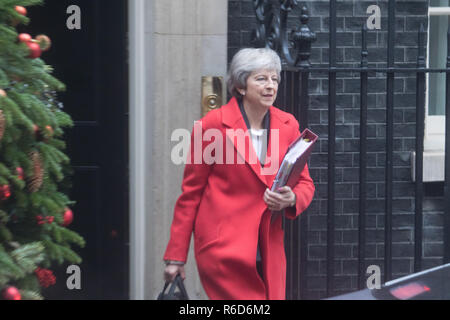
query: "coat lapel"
277, 146
280, 137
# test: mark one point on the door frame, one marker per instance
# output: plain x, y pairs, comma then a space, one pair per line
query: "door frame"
138, 55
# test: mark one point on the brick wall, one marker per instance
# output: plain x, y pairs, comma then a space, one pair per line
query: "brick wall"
350, 17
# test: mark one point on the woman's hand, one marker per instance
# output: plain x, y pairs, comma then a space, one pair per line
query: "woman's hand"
277, 201
171, 271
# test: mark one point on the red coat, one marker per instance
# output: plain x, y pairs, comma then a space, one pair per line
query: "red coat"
223, 205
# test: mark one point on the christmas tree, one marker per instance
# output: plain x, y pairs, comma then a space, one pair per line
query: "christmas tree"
34, 211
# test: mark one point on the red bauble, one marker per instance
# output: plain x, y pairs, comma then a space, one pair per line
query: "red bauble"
68, 217
45, 277
35, 50
5, 192
11, 293
43, 220
20, 174
24, 37
21, 10
40, 220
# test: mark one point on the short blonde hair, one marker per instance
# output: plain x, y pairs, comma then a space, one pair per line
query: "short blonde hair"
248, 60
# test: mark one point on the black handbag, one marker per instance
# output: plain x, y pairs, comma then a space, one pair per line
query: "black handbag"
172, 295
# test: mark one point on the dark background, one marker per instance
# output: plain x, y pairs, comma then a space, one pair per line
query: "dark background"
92, 62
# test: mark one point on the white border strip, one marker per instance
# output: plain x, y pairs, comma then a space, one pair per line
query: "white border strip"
136, 18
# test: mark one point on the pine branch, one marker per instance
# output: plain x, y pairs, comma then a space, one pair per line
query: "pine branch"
25, 3
68, 235
9, 268
15, 111
28, 256
30, 295
4, 81
70, 255
5, 234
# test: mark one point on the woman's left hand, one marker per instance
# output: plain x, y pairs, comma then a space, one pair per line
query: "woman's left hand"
283, 198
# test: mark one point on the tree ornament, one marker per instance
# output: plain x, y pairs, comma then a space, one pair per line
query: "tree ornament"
49, 130
67, 218
37, 132
35, 182
11, 293
44, 42
45, 277
3, 93
40, 220
35, 50
21, 10
24, 37
43, 220
20, 173
5, 192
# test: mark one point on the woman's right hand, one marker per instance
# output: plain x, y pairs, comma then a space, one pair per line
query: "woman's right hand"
171, 271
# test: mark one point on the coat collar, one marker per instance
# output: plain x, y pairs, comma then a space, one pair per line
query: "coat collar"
233, 119
231, 115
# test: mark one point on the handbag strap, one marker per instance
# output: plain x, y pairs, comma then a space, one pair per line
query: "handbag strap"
182, 288
177, 282
173, 286
165, 287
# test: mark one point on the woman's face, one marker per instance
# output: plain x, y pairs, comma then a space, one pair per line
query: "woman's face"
262, 88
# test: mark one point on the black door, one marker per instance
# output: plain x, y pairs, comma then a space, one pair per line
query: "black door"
92, 62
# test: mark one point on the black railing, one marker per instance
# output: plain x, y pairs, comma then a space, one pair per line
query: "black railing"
294, 47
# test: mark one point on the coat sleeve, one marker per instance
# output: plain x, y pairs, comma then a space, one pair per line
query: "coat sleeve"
304, 189
195, 179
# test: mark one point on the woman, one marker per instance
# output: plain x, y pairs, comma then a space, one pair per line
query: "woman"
228, 204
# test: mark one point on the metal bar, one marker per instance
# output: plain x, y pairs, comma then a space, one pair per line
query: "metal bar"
285, 225
370, 70
296, 236
283, 37
294, 258
304, 99
362, 163
303, 77
447, 159
420, 118
291, 224
389, 143
331, 150
439, 11
303, 254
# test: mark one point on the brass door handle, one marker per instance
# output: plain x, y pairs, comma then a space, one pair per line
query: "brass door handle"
212, 93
